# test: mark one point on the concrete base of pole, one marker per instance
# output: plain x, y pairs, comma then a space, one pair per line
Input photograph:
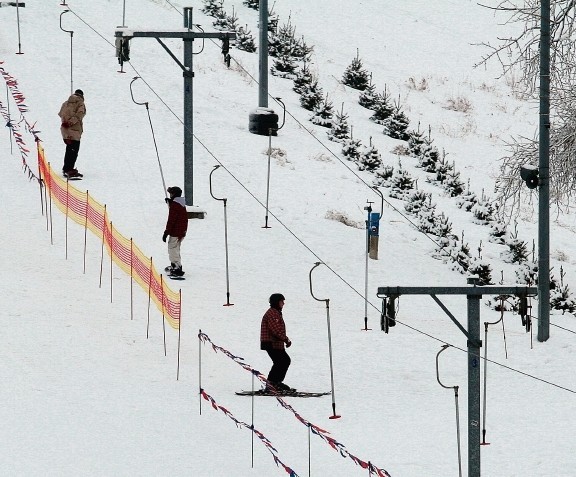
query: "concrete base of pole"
195, 212
262, 120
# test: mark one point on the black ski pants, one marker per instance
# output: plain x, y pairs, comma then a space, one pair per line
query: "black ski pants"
71, 155
281, 362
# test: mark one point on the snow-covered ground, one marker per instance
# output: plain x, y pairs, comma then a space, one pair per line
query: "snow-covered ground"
85, 392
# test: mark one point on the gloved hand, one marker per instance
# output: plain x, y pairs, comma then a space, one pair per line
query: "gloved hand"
167, 200
288, 344
65, 124
164, 236
67, 141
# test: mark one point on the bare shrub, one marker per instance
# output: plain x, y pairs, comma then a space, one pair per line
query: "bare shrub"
344, 219
459, 104
421, 85
400, 150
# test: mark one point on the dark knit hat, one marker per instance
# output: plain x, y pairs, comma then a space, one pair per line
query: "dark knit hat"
79, 92
175, 191
275, 298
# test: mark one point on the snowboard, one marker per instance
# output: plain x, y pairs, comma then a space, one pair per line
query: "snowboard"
302, 394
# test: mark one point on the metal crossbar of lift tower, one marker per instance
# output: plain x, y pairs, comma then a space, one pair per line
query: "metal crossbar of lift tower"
183, 33
470, 291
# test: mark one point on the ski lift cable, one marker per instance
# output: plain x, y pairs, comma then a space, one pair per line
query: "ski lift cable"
315, 254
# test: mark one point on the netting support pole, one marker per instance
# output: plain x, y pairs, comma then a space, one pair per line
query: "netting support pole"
179, 335
200, 372
86, 230
149, 298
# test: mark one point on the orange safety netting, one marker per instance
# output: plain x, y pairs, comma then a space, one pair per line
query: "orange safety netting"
84, 210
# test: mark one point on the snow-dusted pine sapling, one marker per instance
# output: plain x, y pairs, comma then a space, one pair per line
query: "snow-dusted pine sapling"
370, 158
254, 4
351, 149
498, 232
340, 130
482, 270
244, 40
561, 298
284, 66
453, 185
304, 78
355, 75
232, 21
368, 97
212, 7
416, 142
484, 210
397, 125
383, 108
401, 183
283, 40
273, 20
517, 249
301, 50
220, 20
443, 227
417, 201
467, 200
383, 176
323, 114
527, 273
311, 96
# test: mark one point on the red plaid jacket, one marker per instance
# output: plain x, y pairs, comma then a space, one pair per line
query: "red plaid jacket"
273, 330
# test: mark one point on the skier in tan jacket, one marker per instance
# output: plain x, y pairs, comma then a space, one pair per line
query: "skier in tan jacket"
72, 113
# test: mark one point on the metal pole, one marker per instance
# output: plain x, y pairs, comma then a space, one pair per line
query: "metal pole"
188, 111
263, 54
543, 172
473, 383
124, 13
327, 300
225, 237
18, 22
266, 226
368, 209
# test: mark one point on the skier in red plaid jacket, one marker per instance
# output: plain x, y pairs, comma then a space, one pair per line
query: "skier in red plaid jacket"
273, 338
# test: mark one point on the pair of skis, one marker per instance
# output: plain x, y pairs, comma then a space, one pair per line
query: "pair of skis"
262, 392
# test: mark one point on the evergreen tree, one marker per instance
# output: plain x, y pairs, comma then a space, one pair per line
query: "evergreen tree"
220, 19
301, 50
284, 66
482, 270
212, 7
416, 142
303, 78
273, 20
351, 148
282, 40
355, 75
401, 184
323, 114
517, 250
397, 125
467, 200
311, 96
561, 298
254, 4
368, 97
418, 200
453, 185
498, 231
383, 176
484, 210
370, 158
340, 130
383, 110
244, 40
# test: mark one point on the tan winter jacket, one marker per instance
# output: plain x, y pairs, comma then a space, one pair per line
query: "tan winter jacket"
72, 113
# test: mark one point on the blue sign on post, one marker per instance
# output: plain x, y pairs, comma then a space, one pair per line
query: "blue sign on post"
374, 230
